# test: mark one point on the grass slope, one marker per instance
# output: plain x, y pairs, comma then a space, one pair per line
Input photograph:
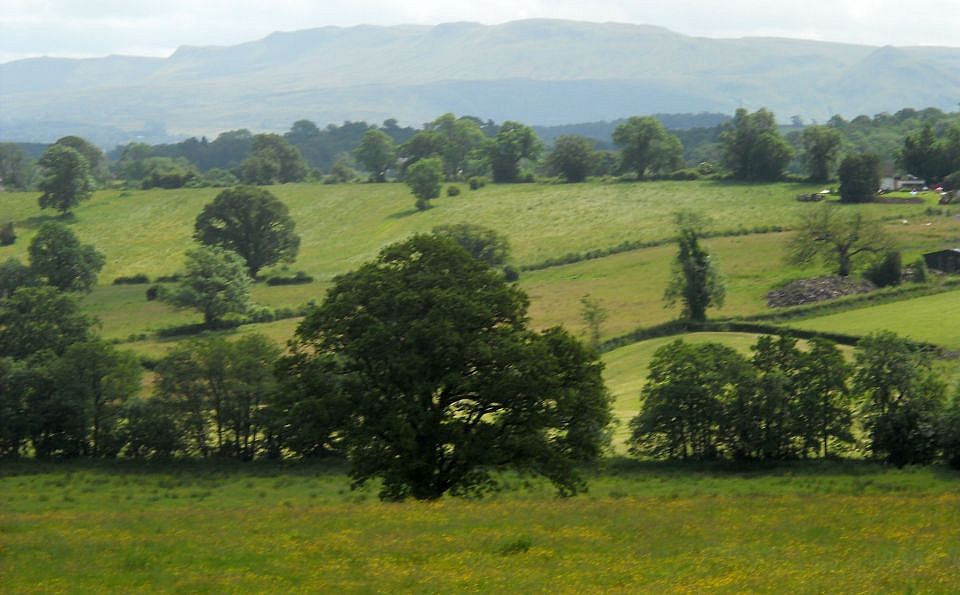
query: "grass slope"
930, 318
344, 225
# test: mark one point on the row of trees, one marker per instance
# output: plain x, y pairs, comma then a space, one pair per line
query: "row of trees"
418, 368
707, 401
461, 145
748, 147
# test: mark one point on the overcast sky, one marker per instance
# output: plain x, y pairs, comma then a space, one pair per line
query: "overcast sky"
83, 28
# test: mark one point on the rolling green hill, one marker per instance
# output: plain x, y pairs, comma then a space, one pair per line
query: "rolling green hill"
344, 225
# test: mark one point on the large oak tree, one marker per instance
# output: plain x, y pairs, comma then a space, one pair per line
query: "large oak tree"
444, 381
251, 222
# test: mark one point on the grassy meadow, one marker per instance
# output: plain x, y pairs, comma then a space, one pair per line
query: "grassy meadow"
344, 225
815, 527
928, 318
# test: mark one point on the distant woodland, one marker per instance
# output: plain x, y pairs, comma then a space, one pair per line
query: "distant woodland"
330, 153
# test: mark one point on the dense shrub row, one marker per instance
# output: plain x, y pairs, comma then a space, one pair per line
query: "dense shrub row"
707, 401
298, 278
138, 279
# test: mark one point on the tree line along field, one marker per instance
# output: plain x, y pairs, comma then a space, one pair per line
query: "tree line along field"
343, 225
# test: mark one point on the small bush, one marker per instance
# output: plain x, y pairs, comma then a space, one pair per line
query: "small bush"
510, 273
138, 279
706, 168
219, 178
684, 174
952, 181
153, 292
7, 234
477, 182
887, 271
285, 312
422, 205
174, 278
919, 273
299, 278
950, 433
517, 546
261, 314
453, 191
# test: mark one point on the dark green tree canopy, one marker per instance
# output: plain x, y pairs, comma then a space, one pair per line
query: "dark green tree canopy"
929, 156
820, 147
481, 242
218, 391
164, 172
94, 156
15, 167
753, 149
425, 178
38, 319
14, 275
273, 159
901, 398
695, 280
99, 378
377, 153
452, 139
426, 143
132, 163
66, 178
573, 157
59, 259
251, 222
513, 143
216, 283
646, 147
683, 399
445, 382
859, 177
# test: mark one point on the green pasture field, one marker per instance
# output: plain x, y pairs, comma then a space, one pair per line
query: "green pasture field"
342, 226
123, 310
630, 285
932, 318
642, 527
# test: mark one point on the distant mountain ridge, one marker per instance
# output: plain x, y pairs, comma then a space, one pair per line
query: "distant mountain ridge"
542, 72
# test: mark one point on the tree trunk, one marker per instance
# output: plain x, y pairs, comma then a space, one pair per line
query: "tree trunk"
845, 265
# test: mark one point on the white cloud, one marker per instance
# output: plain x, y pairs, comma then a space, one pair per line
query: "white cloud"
157, 27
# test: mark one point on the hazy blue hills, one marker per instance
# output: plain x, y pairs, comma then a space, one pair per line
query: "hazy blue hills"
537, 71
